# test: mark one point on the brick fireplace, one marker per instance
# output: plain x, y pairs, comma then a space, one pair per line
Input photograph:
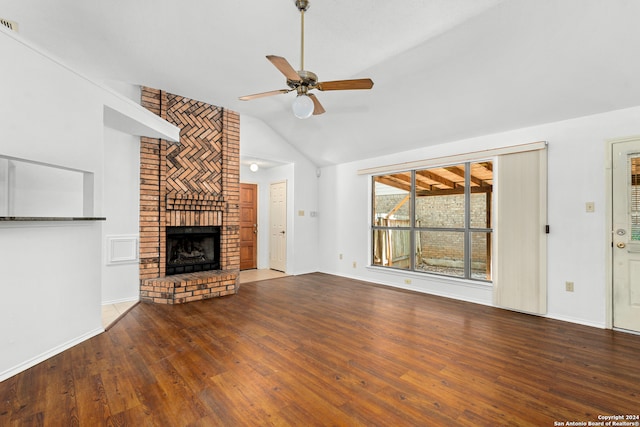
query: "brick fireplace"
192, 186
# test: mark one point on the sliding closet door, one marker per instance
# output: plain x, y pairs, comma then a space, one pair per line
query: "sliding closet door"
520, 280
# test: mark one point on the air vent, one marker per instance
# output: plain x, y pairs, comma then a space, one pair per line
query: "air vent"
9, 24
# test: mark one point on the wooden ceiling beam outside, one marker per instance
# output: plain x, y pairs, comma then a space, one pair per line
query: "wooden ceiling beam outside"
450, 191
395, 182
487, 165
460, 172
428, 182
456, 170
434, 177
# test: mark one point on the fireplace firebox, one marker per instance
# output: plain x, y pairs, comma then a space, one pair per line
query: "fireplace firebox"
191, 249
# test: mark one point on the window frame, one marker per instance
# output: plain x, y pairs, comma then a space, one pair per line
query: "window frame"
413, 230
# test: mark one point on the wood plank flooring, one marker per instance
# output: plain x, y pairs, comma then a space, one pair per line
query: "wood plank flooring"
323, 350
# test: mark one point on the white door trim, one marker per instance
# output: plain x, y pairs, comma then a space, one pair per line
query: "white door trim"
609, 227
279, 262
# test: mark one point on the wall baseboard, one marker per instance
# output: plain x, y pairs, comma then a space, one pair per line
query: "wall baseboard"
48, 354
117, 301
577, 321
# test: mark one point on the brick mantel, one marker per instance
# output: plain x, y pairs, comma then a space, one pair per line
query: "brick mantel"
191, 183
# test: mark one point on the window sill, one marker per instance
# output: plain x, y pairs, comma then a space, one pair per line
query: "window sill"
430, 277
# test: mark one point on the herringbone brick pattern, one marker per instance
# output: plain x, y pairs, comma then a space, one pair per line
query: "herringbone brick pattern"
195, 165
191, 183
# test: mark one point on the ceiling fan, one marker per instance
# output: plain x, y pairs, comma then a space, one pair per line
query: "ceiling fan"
302, 81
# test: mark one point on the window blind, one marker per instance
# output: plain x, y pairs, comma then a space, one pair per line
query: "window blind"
520, 280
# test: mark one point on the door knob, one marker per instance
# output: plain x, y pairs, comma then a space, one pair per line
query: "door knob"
621, 245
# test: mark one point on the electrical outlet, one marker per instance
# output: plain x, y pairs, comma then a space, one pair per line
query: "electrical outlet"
407, 281
590, 207
568, 286
354, 264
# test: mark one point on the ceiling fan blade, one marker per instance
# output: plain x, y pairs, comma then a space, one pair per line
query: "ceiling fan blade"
317, 107
284, 67
263, 94
346, 84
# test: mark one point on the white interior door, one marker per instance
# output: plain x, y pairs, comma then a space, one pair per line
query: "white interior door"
278, 226
626, 234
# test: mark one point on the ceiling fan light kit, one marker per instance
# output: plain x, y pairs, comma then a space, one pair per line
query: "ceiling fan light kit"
305, 104
302, 107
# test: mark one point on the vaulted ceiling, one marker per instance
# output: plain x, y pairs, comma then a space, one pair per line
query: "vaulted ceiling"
443, 69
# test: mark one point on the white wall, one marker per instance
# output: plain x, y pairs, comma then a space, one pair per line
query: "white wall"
264, 178
120, 276
305, 226
260, 141
577, 244
51, 272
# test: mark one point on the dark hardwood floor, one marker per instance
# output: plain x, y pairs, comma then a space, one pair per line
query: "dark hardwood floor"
323, 350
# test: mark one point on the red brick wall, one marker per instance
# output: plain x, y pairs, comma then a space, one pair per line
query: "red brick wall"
230, 237
191, 183
446, 212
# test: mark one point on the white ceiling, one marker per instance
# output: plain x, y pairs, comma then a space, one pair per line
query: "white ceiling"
443, 69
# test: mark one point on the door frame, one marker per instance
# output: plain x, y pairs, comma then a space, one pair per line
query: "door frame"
287, 226
609, 226
257, 221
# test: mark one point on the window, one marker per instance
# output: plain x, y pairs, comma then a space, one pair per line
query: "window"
635, 198
479, 220
435, 220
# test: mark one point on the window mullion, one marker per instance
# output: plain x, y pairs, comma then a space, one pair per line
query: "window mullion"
467, 220
412, 221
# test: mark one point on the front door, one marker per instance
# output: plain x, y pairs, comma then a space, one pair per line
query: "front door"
278, 226
626, 234
248, 226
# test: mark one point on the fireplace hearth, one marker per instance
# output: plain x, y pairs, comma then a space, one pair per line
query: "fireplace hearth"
192, 249
189, 203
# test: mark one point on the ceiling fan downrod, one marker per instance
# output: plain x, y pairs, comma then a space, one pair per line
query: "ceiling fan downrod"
302, 6
302, 81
